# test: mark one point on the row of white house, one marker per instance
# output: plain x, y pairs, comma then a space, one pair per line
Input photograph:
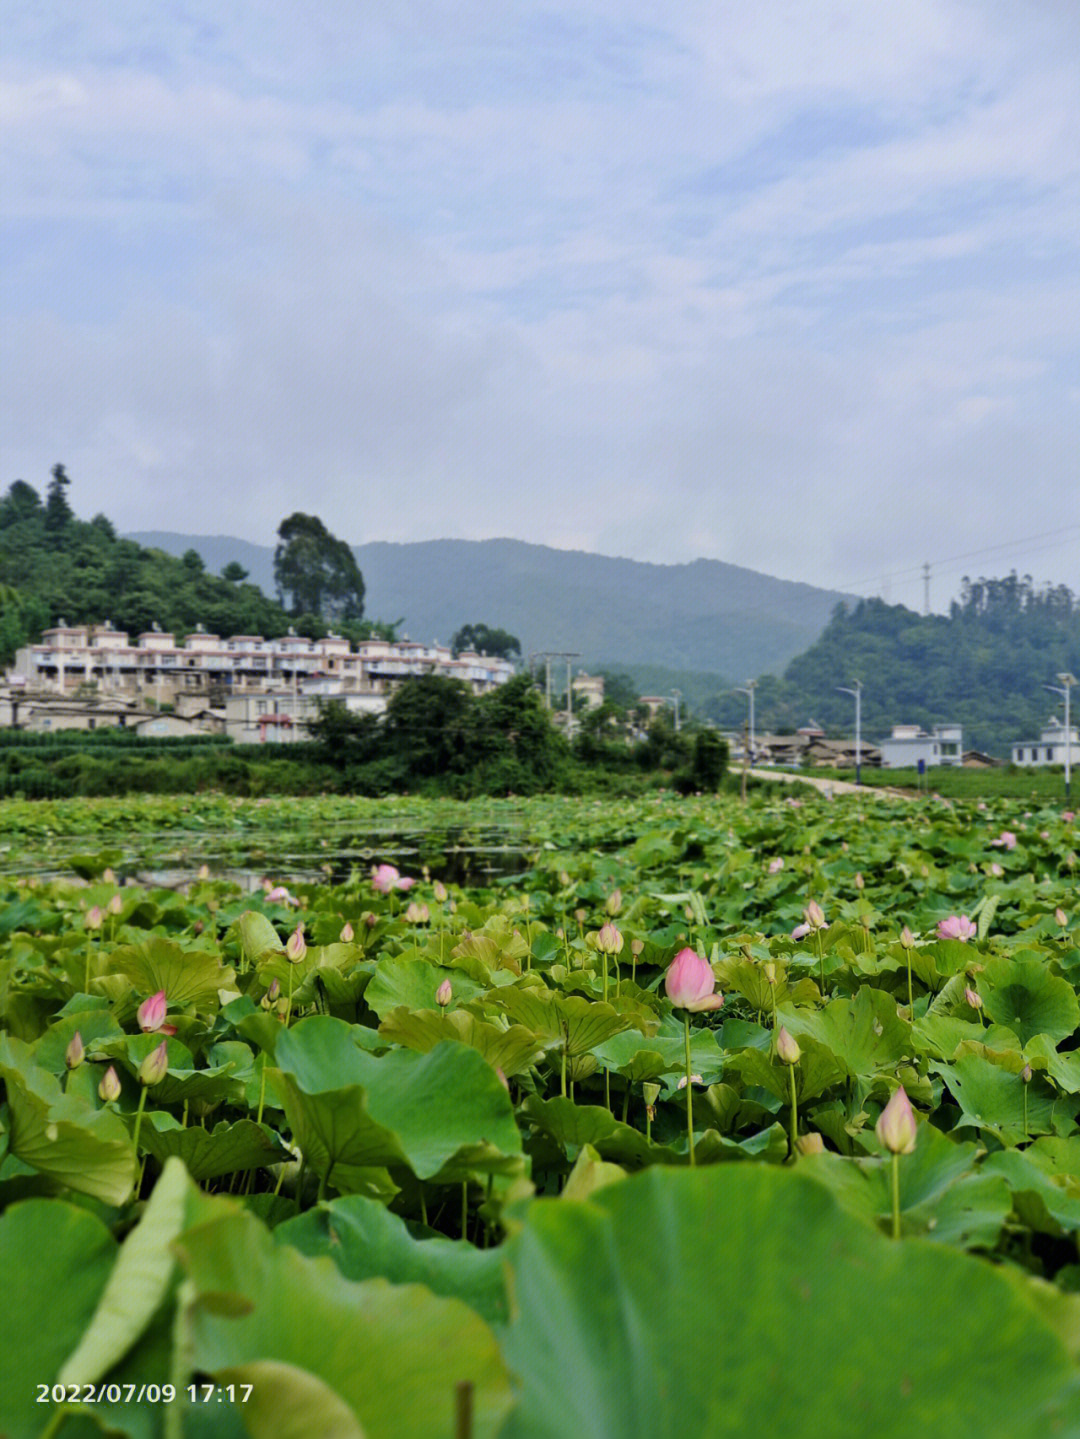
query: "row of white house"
908, 745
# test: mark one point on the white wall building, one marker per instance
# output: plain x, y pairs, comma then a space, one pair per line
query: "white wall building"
1049, 748
908, 744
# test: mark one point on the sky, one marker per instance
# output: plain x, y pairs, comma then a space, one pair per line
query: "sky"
792, 286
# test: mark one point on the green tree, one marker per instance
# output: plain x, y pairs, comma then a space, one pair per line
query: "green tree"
234, 572
315, 571
58, 512
484, 640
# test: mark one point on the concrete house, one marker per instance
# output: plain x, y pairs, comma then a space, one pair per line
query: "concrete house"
908, 745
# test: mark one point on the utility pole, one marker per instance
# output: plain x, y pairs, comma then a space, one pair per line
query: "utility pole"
926, 588
857, 692
676, 696
1067, 682
748, 689
547, 656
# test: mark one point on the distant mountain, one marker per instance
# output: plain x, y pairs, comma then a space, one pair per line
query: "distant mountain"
704, 616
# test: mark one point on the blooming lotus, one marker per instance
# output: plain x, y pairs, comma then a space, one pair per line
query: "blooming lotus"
1005, 840
957, 926
690, 983
776, 865
385, 877
800, 931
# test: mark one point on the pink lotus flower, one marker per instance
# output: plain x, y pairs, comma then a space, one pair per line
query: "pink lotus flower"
690, 982
150, 1015
695, 1078
973, 997
385, 877
957, 926
896, 1124
800, 931
609, 940
815, 915
1005, 840
1068, 816
776, 865
996, 870
279, 894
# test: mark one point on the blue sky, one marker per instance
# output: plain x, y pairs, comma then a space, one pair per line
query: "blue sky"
793, 286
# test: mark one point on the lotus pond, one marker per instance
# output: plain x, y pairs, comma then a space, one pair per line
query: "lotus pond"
351, 1155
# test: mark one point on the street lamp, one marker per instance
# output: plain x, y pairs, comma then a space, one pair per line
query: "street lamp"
857, 692
748, 689
676, 695
1067, 682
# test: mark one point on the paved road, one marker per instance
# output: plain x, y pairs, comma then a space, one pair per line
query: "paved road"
826, 786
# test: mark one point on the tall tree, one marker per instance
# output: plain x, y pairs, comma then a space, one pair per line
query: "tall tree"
316, 571
485, 640
58, 513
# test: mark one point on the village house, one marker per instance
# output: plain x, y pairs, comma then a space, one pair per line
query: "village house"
1049, 748
909, 746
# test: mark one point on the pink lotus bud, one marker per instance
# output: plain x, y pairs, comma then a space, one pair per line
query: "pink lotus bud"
75, 1053
694, 1079
1068, 816
614, 902
776, 865
609, 940
815, 915
907, 939
957, 926
973, 997
150, 1015
295, 946
279, 895
444, 994
115, 905
787, 1048
94, 917
896, 1124
440, 892
274, 990
347, 935
690, 982
109, 1088
1025, 1074
800, 931
860, 883
155, 1066
996, 869
1061, 918
204, 871
417, 913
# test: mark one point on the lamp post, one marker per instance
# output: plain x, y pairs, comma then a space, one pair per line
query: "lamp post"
1067, 682
748, 689
676, 696
857, 692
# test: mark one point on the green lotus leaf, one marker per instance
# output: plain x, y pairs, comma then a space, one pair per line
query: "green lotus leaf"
61, 1135
1022, 993
1041, 1202
191, 976
942, 1194
611, 1337
413, 983
393, 1354
581, 1024
93, 866
257, 937
941, 1035
56, 1261
285, 1402
347, 1107
207, 1154
865, 1033
366, 1241
818, 1069
512, 1050
183, 1081
93, 1025
1063, 1069
992, 1098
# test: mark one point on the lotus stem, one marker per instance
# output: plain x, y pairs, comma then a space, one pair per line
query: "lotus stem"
910, 999
262, 1092
794, 1110
821, 960
138, 1117
689, 1088
896, 1196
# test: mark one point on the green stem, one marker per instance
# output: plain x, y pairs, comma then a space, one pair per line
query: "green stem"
605, 976
89, 953
423, 1206
262, 1092
896, 1196
910, 1000
1025, 1112
794, 1111
138, 1118
607, 1088
821, 960
626, 1102
563, 1074
689, 1089
288, 1003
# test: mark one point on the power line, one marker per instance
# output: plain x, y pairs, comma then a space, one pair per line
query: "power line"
1053, 537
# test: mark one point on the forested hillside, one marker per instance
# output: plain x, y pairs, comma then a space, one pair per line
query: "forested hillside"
983, 665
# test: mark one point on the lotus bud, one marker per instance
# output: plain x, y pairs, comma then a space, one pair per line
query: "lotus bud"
150, 1015
274, 990
371, 920
204, 871
896, 1124
609, 940
689, 913
109, 1088
787, 1048
690, 983
800, 931
444, 994
75, 1052
109, 876
810, 1144
973, 997
417, 913
295, 946
580, 915
1025, 1074
614, 902
155, 1066
907, 939
769, 970
860, 883
564, 879
115, 905
347, 935
1061, 918
94, 917
815, 915
776, 865
440, 892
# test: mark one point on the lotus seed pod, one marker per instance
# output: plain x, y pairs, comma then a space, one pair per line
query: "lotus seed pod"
787, 1048
109, 1088
895, 1128
636, 947
769, 970
75, 1052
651, 1093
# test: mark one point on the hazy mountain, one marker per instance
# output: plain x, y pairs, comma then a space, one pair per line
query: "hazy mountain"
703, 616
